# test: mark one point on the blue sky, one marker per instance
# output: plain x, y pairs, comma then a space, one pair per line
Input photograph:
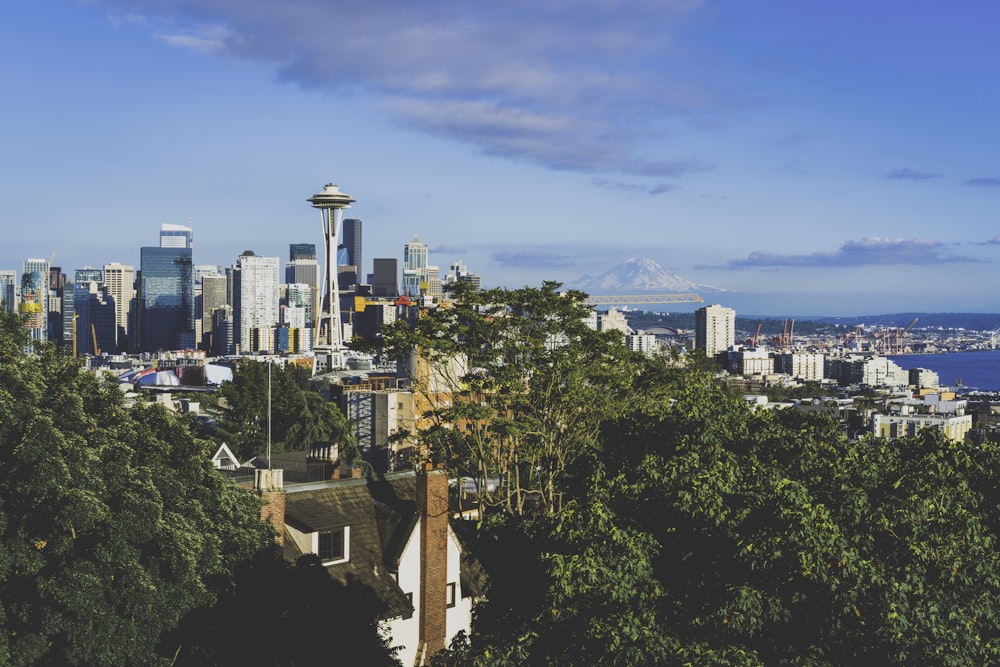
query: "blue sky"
817, 158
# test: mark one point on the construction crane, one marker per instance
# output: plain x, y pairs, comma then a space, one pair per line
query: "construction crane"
756, 336
634, 299
93, 333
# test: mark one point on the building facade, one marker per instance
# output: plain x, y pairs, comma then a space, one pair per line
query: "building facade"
166, 299
714, 329
255, 293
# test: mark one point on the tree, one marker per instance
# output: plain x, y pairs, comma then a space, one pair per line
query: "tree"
709, 533
515, 385
112, 523
299, 416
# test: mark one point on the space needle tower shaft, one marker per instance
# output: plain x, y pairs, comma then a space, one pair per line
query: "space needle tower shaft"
331, 203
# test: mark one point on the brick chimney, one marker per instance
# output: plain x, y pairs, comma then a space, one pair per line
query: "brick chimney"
432, 508
270, 485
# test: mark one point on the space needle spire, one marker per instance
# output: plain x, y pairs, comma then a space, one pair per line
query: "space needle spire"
329, 347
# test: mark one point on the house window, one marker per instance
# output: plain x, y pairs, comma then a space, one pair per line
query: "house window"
332, 545
451, 595
409, 598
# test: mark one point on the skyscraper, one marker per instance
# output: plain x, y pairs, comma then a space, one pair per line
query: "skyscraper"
414, 268
176, 236
385, 277
34, 303
119, 283
8, 290
213, 297
301, 251
166, 299
255, 291
714, 329
352, 243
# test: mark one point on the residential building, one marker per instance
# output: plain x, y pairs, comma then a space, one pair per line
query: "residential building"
613, 320
750, 361
807, 366
255, 307
391, 534
923, 378
714, 329
642, 342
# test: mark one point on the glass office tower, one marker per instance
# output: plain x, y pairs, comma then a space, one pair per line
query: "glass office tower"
166, 299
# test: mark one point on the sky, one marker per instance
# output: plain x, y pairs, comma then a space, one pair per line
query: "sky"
810, 157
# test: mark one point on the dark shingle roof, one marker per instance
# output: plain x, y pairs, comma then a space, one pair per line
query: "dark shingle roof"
339, 504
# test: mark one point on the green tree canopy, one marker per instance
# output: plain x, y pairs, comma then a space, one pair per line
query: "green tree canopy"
300, 416
112, 523
517, 385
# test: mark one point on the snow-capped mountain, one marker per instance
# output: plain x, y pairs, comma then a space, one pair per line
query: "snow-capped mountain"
639, 274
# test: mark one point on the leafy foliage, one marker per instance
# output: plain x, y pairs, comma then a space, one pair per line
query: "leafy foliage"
299, 415
112, 523
515, 385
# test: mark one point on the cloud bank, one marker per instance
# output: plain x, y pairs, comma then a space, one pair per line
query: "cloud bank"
863, 252
562, 83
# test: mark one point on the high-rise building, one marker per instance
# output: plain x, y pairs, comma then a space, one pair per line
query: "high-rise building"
351, 241
298, 251
166, 299
459, 272
714, 329
213, 297
176, 236
34, 303
8, 291
414, 268
385, 276
255, 292
119, 283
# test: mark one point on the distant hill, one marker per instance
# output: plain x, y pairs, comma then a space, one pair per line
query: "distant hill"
639, 275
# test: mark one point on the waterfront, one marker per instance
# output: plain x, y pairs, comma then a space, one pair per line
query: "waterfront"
976, 370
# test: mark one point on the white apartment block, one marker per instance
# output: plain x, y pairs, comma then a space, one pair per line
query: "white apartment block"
714, 329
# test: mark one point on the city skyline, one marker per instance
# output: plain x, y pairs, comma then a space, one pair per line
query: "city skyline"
832, 160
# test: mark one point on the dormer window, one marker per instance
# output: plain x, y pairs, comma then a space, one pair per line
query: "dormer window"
333, 546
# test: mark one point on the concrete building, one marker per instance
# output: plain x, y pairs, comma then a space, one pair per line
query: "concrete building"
415, 256
119, 283
714, 329
176, 236
750, 361
806, 366
384, 279
642, 342
8, 290
255, 310
613, 320
923, 378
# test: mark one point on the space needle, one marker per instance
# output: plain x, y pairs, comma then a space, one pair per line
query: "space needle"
329, 348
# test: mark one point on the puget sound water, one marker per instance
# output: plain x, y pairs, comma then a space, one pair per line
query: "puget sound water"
974, 370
